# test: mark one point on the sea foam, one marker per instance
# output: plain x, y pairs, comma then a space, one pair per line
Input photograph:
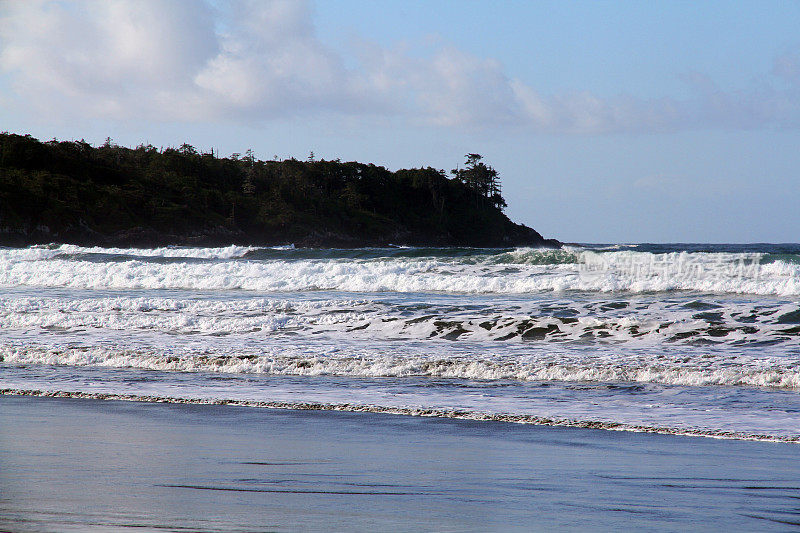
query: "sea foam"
514, 272
714, 369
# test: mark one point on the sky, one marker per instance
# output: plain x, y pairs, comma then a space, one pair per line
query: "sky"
673, 121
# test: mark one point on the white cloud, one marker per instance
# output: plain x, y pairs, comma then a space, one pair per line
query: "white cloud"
457, 88
175, 60
271, 63
105, 57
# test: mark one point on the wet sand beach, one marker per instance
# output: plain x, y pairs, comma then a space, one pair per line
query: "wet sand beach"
92, 465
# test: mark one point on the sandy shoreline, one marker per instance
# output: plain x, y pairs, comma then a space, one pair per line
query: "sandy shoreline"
87, 464
418, 412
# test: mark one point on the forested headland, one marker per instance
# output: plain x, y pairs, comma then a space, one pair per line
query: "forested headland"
72, 192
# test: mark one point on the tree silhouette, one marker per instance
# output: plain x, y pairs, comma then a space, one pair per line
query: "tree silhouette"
482, 180
149, 195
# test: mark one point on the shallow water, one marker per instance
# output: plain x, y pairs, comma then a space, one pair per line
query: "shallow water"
677, 338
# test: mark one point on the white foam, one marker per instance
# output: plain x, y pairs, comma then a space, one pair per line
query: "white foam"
643, 323
176, 316
487, 317
660, 367
38, 253
605, 272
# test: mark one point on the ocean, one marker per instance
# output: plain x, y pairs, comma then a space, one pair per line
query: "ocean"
694, 339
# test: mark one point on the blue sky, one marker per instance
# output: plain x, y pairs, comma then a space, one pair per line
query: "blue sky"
608, 121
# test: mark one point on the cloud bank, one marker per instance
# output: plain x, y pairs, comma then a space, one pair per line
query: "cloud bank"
260, 61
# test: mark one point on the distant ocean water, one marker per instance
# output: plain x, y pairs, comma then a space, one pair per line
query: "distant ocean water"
682, 338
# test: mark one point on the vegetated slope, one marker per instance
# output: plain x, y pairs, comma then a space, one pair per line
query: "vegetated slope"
112, 195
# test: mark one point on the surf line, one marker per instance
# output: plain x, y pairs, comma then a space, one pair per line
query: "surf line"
411, 411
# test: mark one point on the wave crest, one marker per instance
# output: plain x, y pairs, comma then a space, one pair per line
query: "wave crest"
722, 370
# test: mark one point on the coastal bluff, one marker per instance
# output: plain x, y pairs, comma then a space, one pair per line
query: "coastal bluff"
110, 195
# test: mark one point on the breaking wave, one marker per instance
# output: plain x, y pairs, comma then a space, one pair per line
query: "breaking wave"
717, 321
465, 271
713, 369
